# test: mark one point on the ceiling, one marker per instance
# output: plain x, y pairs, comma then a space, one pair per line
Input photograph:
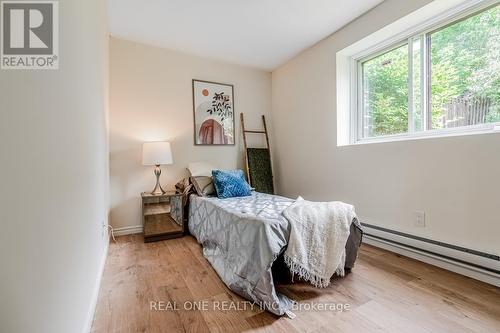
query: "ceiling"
258, 33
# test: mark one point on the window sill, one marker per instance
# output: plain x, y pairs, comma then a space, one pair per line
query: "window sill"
443, 133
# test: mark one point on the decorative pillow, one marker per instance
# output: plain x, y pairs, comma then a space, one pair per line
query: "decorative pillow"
183, 186
230, 183
200, 169
203, 185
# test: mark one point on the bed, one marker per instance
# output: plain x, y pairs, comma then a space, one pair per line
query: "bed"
243, 237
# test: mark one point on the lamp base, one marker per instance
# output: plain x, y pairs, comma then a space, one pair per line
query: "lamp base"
158, 190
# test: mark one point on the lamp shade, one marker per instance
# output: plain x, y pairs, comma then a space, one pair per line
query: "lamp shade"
156, 153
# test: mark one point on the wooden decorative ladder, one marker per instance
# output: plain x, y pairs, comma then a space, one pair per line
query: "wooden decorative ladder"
258, 161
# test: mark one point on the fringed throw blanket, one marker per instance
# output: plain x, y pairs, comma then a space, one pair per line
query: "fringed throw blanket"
319, 232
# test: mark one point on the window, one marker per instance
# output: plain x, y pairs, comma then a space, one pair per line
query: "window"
444, 78
385, 93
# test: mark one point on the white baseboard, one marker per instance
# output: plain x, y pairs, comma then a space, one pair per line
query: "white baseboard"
136, 229
95, 293
457, 267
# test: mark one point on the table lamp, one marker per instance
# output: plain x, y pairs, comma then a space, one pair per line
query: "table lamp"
156, 153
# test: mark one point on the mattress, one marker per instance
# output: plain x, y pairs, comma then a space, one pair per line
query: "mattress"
242, 239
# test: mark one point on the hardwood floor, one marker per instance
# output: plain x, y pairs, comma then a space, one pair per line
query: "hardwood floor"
385, 293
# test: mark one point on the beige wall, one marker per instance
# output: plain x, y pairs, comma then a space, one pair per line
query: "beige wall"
151, 100
54, 180
454, 180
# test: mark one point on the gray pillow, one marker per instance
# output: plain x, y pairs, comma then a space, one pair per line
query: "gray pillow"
203, 185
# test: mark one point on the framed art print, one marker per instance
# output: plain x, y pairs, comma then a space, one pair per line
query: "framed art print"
213, 109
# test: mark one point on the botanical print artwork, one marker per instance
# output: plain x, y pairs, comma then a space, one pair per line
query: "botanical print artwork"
213, 113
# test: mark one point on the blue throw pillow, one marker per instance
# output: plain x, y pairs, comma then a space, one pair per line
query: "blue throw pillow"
230, 183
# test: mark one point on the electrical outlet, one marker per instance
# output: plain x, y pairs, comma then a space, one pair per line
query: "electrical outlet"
419, 219
103, 229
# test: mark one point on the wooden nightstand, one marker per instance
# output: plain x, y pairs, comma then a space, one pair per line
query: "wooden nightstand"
162, 216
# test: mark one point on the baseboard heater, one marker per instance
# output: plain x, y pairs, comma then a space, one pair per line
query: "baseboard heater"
480, 262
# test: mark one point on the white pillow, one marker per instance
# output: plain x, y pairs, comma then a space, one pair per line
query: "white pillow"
201, 169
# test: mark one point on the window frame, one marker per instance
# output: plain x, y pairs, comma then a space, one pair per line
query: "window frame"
423, 32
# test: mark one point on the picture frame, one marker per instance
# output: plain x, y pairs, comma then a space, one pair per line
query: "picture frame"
213, 113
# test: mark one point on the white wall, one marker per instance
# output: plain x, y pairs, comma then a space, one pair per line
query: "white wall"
151, 100
54, 180
454, 180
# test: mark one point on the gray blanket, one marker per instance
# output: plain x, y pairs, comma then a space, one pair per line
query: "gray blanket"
242, 237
